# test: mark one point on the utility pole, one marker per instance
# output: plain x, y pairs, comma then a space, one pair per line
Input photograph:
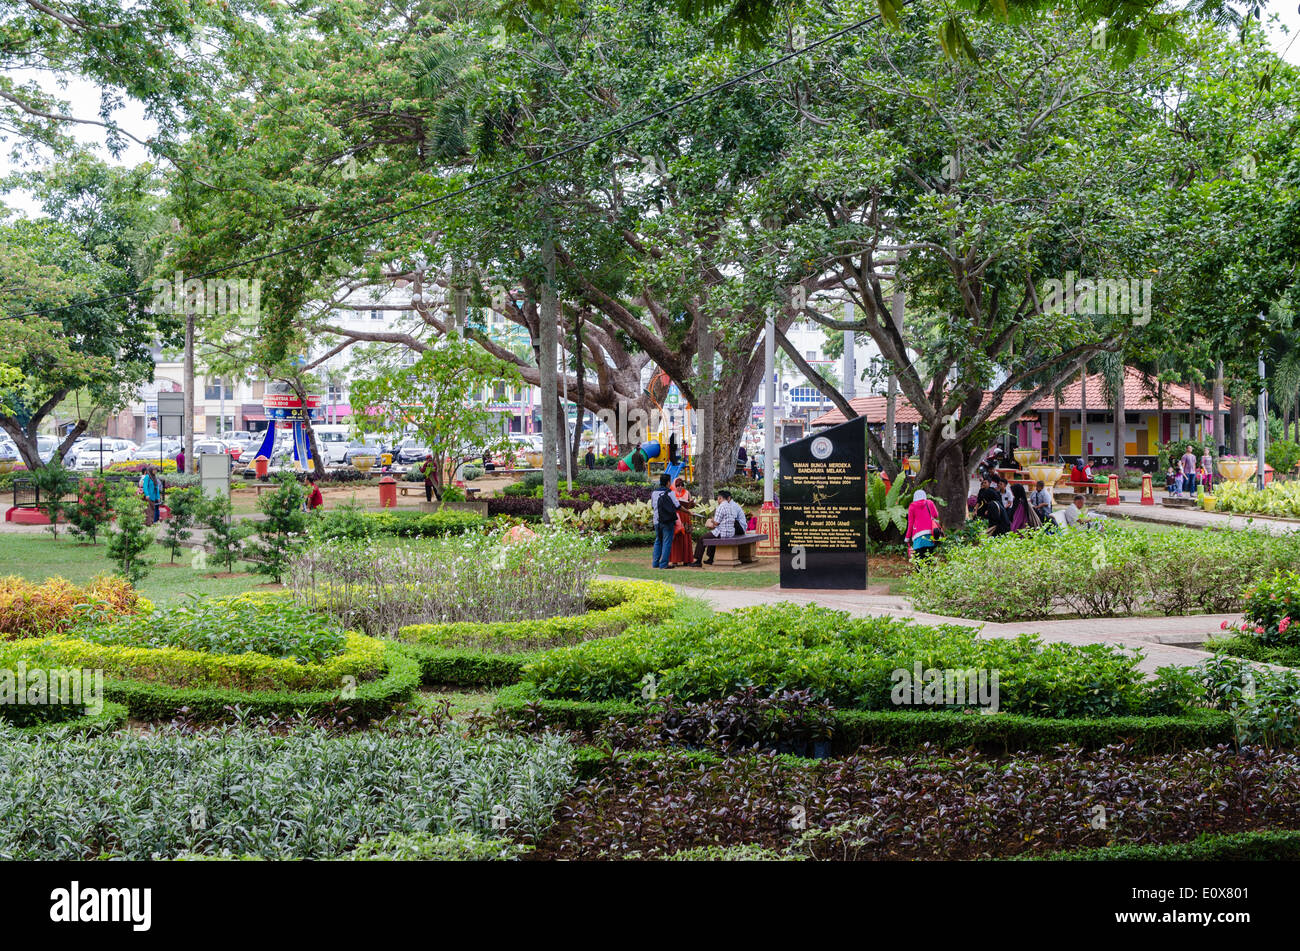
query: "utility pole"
1262, 425
891, 393
546, 360
769, 416
188, 431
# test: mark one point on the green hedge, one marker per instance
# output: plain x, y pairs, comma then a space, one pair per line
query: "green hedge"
907, 729
468, 654
148, 700
111, 717
1260, 846
1252, 648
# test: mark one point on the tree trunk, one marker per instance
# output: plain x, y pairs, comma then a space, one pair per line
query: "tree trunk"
952, 485
708, 441
1238, 428
1218, 407
549, 330
580, 407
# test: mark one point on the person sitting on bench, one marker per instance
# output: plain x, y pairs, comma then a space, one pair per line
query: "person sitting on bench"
728, 521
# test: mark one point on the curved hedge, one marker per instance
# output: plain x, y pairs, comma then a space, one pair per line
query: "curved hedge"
906, 729
367, 699
368, 678
468, 654
362, 658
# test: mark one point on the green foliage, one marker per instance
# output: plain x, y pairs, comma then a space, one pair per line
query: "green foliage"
469, 653
458, 846
1277, 499
284, 528
1118, 571
259, 793
92, 510
1002, 734
438, 396
851, 663
350, 521
1171, 453
1282, 455
54, 483
1256, 846
275, 627
128, 536
1264, 704
224, 535
184, 505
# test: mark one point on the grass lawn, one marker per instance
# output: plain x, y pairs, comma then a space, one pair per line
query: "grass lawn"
889, 571
37, 556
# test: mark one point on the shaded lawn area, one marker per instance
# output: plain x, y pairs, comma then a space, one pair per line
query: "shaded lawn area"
37, 556
885, 573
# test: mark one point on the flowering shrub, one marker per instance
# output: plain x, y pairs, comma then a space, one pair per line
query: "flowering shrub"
35, 610
137, 465
1271, 611
92, 509
620, 519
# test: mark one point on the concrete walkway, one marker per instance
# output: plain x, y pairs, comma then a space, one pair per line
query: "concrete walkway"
1197, 518
1164, 641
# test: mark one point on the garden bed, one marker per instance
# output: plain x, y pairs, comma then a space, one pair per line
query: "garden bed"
470, 654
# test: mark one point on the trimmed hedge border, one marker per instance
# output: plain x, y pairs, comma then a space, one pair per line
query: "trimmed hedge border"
1002, 733
112, 717
1284, 655
615, 606
147, 700
1268, 845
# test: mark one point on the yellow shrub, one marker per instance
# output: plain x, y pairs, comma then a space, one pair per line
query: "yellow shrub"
28, 609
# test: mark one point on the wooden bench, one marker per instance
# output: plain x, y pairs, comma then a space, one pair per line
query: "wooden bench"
735, 551
408, 488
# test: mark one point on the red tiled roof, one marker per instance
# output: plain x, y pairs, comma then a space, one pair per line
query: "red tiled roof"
1136, 399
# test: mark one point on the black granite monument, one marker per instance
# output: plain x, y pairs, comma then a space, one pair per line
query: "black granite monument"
824, 509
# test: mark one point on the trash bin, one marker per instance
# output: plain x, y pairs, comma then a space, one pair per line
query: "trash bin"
387, 492
260, 465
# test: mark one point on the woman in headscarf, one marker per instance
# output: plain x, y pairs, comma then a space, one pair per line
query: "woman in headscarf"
1022, 513
682, 552
922, 525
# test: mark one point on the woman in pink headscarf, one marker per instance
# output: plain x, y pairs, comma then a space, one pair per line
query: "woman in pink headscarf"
923, 528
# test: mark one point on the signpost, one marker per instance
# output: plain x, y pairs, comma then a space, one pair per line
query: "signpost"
824, 509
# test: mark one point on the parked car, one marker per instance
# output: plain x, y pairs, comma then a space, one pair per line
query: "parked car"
411, 452
45, 446
236, 436
203, 447
332, 441
153, 448
365, 446
99, 453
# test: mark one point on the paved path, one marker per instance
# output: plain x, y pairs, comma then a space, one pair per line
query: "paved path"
1197, 518
1163, 640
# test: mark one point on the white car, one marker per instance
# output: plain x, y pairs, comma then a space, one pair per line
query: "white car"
95, 453
152, 448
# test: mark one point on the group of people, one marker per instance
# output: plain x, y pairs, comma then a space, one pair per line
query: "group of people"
1188, 473
153, 488
1007, 507
670, 512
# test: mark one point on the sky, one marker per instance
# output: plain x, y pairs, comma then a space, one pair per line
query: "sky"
84, 100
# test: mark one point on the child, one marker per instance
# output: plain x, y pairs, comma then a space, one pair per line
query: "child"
1171, 481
